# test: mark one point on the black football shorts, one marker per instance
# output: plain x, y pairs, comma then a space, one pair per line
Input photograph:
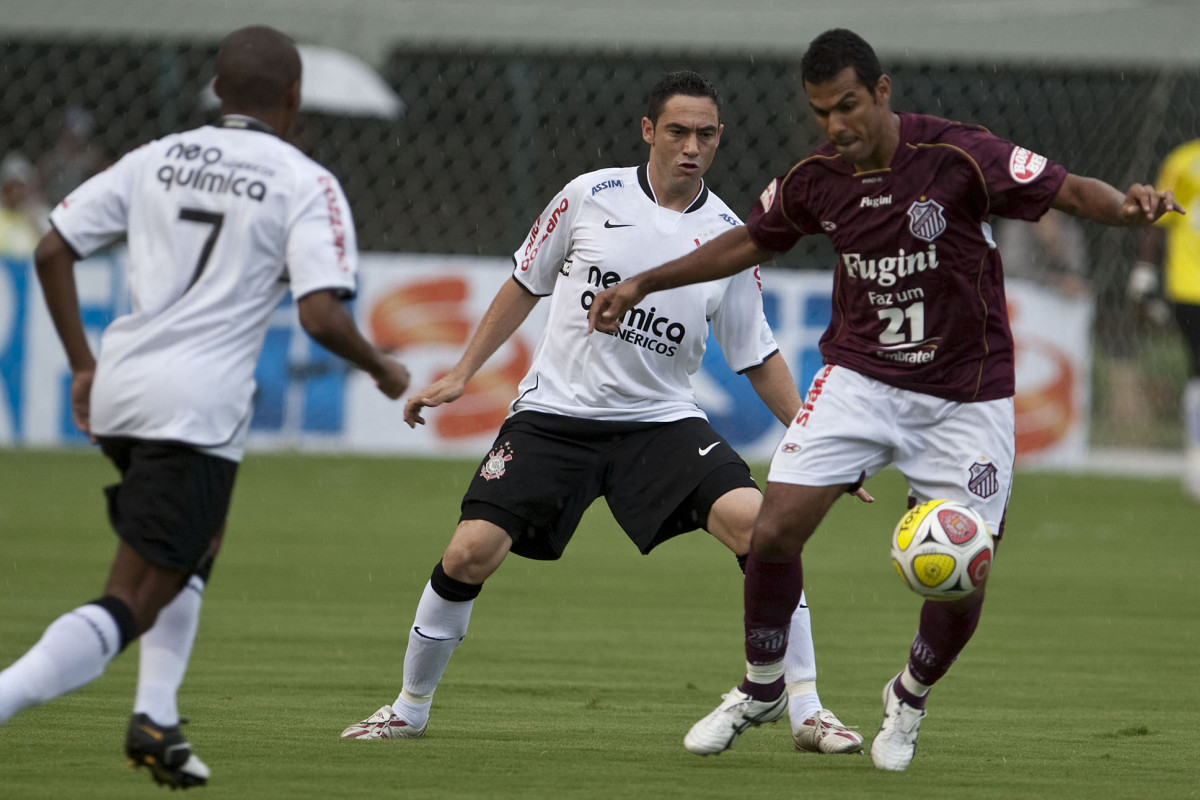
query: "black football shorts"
1187, 317
171, 501
543, 471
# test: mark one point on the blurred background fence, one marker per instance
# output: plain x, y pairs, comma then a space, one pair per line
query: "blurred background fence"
489, 134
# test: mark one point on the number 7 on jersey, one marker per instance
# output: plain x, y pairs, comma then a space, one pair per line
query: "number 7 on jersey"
208, 218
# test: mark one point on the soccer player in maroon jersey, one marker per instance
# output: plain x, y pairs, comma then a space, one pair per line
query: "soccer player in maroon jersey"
919, 354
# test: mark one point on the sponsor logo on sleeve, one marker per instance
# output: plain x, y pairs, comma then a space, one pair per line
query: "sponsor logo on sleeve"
1024, 165
337, 223
532, 243
768, 195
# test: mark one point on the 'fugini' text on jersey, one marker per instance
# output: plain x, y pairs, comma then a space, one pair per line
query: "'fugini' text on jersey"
884, 271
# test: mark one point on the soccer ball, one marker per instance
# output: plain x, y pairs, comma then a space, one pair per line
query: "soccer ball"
942, 549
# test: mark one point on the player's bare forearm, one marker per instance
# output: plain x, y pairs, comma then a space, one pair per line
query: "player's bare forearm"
327, 320
507, 311
773, 383
56, 273
1093, 199
728, 254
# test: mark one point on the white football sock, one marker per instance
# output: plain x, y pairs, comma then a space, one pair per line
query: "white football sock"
73, 651
1191, 419
438, 628
909, 682
800, 666
165, 650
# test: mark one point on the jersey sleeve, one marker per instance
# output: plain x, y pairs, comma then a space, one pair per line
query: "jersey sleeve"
1020, 183
322, 251
96, 213
778, 219
538, 261
739, 324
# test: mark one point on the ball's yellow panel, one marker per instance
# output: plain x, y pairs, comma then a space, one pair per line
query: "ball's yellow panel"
932, 569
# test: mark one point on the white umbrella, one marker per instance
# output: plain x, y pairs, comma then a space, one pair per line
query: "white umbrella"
335, 82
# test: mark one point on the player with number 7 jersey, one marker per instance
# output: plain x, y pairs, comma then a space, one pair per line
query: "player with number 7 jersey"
212, 216
219, 221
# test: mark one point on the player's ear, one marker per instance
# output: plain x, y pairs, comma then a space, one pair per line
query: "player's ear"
883, 89
292, 96
647, 130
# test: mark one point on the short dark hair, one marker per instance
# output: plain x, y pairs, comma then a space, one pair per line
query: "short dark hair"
685, 82
836, 49
256, 66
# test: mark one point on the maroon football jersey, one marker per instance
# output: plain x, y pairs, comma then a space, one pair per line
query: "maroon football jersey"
918, 297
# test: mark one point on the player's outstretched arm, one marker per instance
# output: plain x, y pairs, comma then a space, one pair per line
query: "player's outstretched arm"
508, 310
56, 272
773, 383
1098, 201
327, 320
728, 254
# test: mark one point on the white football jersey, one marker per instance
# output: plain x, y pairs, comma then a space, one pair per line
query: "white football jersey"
219, 221
603, 227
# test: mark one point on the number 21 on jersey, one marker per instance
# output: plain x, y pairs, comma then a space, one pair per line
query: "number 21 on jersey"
895, 318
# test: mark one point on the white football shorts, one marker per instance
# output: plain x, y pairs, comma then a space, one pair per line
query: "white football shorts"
851, 425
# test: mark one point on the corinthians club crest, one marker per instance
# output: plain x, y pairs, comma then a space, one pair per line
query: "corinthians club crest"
925, 219
494, 465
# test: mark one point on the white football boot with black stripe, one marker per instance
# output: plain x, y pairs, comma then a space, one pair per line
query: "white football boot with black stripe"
717, 732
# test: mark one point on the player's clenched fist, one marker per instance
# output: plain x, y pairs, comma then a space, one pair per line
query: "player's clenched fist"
392, 377
611, 304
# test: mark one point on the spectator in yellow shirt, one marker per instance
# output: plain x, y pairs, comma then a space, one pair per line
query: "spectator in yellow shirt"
1174, 242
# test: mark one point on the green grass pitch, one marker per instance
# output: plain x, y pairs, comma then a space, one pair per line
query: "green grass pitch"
579, 678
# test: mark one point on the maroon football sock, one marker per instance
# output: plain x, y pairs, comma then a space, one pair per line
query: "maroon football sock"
763, 692
772, 591
914, 700
942, 635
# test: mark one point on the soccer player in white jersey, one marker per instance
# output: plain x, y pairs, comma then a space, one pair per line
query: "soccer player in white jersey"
612, 416
220, 223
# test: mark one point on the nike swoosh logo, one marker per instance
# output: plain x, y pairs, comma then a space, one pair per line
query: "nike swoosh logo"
705, 450
608, 223
153, 734
432, 638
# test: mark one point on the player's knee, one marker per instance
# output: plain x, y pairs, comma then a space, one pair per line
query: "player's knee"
473, 555
774, 539
451, 589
